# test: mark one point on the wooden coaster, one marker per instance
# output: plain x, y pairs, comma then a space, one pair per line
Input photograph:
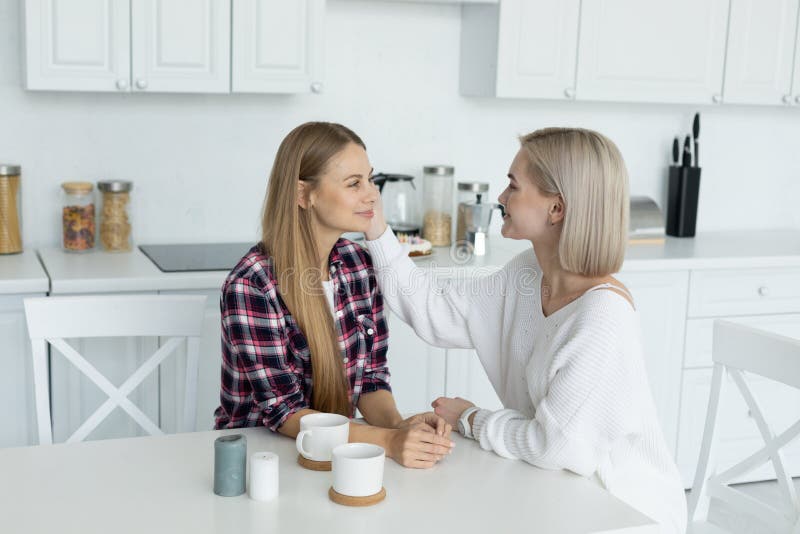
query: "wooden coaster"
313, 465
347, 500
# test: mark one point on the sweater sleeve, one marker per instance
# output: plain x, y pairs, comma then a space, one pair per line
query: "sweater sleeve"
437, 310
588, 406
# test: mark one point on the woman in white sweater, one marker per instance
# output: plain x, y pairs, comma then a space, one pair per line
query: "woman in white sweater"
558, 336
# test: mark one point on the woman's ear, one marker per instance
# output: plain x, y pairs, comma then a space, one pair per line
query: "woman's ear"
557, 210
302, 194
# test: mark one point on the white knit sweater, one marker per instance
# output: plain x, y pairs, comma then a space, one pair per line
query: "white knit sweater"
573, 383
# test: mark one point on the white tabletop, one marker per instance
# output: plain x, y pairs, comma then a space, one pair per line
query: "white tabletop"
164, 484
22, 274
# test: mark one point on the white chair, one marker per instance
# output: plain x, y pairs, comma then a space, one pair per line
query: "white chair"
52, 319
738, 348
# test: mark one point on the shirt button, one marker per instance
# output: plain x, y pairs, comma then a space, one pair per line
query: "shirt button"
360, 318
344, 359
339, 313
370, 331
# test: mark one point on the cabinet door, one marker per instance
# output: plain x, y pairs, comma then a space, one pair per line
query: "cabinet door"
537, 48
78, 46
761, 39
277, 46
181, 46
467, 379
18, 419
652, 51
417, 368
796, 79
660, 299
173, 371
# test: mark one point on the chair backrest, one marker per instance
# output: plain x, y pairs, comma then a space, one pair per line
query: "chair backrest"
54, 319
738, 348
757, 351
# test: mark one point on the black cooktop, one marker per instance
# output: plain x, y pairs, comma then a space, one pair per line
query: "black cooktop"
196, 257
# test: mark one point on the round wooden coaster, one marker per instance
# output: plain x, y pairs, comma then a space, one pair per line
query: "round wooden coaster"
313, 465
347, 500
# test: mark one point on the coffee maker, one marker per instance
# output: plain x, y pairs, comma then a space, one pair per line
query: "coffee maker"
474, 216
400, 202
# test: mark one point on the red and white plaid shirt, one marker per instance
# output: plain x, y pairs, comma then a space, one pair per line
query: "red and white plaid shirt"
266, 362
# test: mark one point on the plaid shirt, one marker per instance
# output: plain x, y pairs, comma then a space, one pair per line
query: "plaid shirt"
266, 362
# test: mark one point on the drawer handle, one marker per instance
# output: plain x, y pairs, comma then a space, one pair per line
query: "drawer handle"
763, 291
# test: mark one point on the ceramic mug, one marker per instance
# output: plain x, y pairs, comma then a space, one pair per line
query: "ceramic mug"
320, 433
358, 469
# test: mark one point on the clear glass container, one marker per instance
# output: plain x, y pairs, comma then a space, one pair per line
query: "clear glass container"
77, 216
115, 215
437, 221
400, 203
10, 233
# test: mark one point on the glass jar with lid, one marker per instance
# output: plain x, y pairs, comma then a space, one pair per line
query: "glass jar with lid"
10, 234
77, 216
437, 220
115, 215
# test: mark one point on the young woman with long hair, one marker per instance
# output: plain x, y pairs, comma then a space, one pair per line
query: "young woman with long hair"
303, 326
557, 334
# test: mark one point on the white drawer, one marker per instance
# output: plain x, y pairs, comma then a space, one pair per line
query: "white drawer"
699, 334
722, 292
736, 429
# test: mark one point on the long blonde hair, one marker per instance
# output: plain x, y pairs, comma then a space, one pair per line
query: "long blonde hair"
288, 237
587, 170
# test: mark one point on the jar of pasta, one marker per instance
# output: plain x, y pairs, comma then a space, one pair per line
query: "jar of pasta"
115, 215
77, 216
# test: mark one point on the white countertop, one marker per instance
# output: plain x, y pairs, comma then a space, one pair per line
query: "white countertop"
22, 274
98, 272
164, 484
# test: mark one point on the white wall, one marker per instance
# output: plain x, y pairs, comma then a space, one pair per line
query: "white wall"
199, 163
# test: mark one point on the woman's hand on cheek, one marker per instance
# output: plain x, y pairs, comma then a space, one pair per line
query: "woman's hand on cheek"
378, 223
450, 409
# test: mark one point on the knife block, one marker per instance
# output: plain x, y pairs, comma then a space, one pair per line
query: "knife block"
683, 191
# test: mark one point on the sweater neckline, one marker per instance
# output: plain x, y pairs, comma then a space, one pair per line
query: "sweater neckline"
540, 310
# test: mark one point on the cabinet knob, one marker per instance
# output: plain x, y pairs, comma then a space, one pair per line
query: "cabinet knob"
569, 92
717, 98
316, 87
141, 84
763, 291
122, 84
797, 99
787, 99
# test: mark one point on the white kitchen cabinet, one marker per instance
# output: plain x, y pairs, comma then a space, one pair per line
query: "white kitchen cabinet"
124, 45
180, 46
761, 52
652, 51
277, 46
74, 397
417, 369
173, 371
519, 49
467, 379
796, 77
18, 419
78, 46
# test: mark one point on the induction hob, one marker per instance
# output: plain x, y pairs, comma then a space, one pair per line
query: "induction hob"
196, 257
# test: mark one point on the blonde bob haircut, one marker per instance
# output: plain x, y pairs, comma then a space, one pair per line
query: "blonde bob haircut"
587, 170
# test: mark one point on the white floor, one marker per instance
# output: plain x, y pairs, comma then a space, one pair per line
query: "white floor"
736, 522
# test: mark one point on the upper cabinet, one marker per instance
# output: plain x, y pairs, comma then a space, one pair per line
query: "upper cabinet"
185, 46
520, 49
761, 53
78, 46
180, 46
652, 51
277, 46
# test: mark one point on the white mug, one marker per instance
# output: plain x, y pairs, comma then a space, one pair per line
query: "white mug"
320, 433
358, 469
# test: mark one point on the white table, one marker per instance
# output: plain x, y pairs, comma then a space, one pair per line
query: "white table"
164, 484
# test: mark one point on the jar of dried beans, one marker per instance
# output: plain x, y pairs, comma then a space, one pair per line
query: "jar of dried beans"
77, 216
115, 220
